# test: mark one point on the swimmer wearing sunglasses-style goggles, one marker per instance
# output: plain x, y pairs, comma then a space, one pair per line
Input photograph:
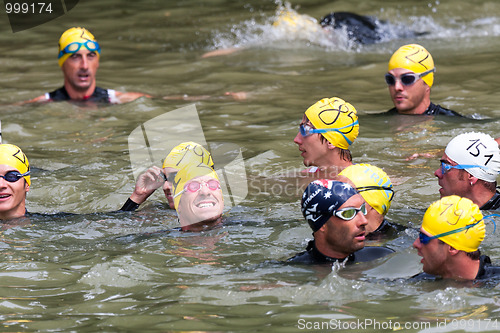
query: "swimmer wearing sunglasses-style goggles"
406, 79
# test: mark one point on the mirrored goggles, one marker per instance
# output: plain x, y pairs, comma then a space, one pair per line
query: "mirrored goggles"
377, 188
306, 130
406, 79
349, 213
445, 167
195, 186
76, 46
14, 176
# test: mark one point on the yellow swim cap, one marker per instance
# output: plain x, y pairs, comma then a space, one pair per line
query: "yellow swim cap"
13, 156
188, 153
415, 58
452, 213
338, 114
188, 173
292, 21
78, 35
373, 184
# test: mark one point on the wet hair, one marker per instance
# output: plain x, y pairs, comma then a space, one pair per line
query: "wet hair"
345, 154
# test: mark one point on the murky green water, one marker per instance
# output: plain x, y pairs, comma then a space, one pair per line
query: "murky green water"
83, 273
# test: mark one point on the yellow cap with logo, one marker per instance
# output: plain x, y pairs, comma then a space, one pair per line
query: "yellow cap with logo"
373, 184
415, 58
188, 153
335, 113
71, 41
13, 156
459, 218
186, 174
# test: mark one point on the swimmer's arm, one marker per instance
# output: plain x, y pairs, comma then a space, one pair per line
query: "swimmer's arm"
125, 97
39, 99
220, 52
146, 184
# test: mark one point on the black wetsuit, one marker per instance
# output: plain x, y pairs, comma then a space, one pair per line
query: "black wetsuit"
493, 203
386, 230
313, 256
486, 271
363, 29
100, 95
129, 206
432, 110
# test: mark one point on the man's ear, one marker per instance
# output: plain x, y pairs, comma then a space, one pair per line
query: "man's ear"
453, 251
330, 145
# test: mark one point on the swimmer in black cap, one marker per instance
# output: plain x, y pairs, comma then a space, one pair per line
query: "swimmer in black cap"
336, 213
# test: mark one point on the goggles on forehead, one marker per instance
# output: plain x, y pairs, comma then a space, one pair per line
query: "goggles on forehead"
349, 213
406, 79
377, 188
445, 167
195, 186
76, 46
14, 176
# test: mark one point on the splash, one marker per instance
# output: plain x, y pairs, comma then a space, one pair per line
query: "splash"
287, 29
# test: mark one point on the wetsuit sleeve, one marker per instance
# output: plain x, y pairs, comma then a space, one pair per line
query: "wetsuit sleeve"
129, 206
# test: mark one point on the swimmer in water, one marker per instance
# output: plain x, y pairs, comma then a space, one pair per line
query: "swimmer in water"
469, 168
409, 78
451, 233
376, 188
326, 131
14, 183
182, 155
79, 55
335, 211
359, 29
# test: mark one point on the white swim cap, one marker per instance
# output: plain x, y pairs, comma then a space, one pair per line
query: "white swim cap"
478, 150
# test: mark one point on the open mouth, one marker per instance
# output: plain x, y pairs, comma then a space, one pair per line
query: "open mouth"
4, 196
205, 205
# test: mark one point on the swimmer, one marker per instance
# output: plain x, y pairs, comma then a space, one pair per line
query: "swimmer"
336, 213
14, 165
198, 198
469, 168
78, 57
452, 230
182, 155
409, 79
376, 188
326, 131
360, 29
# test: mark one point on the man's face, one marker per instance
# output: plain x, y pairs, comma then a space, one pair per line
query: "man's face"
454, 181
407, 98
434, 255
80, 69
312, 149
345, 237
203, 205
12, 195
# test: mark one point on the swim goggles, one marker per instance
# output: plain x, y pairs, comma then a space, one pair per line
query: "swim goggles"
377, 188
14, 176
195, 186
306, 130
406, 79
169, 177
349, 213
445, 167
76, 46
